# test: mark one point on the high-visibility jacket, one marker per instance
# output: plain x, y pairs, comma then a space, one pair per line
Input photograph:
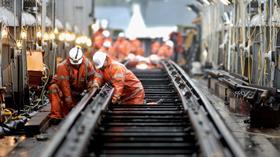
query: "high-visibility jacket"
178, 40
155, 47
109, 51
128, 88
136, 47
122, 48
67, 85
98, 39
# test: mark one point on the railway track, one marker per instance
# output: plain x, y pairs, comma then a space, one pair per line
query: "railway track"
181, 123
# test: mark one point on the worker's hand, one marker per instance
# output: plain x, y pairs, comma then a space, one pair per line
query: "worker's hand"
57, 89
69, 102
92, 86
115, 100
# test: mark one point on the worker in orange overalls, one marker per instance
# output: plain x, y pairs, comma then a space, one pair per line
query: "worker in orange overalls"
136, 47
98, 39
128, 88
166, 50
121, 47
108, 49
155, 46
73, 76
178, 41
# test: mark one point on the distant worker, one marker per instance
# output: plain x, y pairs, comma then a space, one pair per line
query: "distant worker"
155, 46
166, 50
121, 47
73, 76
136, 47
178, 41
154, 61
98, 39
107, 36
128, 88
107, 48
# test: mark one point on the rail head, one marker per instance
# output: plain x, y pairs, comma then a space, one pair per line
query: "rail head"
78, 125
218, 135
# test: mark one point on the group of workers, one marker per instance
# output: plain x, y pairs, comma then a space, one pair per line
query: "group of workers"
122, 47
77, 73
119, 49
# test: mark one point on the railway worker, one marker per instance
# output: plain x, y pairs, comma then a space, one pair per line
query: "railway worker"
107, 48
155, 46
166, 50
128, 88
121, 47
136, 46
73, 76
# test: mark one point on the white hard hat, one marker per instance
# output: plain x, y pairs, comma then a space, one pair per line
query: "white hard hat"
76, 56
98, 59
107, 44
104, 23
121, 35
169, 43
130, 56
139, 58
132, 38
155, 59
106, 34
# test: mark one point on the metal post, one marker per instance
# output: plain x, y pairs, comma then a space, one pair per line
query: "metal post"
53, 13
43, 18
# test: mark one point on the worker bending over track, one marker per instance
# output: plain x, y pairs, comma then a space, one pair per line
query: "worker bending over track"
128, 88
73, 76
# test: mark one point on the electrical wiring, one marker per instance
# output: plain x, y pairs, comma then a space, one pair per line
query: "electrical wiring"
42, 94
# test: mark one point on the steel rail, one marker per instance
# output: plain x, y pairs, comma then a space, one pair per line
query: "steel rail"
215, 139
71, 138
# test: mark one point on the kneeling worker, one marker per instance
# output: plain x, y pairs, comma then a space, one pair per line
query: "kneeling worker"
128, 88
73, 76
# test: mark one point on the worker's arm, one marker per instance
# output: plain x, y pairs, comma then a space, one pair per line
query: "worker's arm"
118, 80
90, 75
98, 79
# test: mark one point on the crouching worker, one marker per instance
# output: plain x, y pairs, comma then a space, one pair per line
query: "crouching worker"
128, 88
73, 76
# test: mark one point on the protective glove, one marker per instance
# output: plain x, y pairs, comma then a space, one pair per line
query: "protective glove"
69, 102
91, 86
58, 90
115, 100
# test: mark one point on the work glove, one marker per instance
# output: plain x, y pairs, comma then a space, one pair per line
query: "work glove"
69, 102
57, 89
115, 100
91, 86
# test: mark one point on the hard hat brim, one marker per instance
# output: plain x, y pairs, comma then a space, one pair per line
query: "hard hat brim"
77, 63
99, 66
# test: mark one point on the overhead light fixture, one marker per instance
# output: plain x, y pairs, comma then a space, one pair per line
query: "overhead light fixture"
62, 36
206, 2
52, 36
193, 8
19, 44
225, 2
55, 31
23, 34
4, 32
46, 36
39, 34
88, 42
